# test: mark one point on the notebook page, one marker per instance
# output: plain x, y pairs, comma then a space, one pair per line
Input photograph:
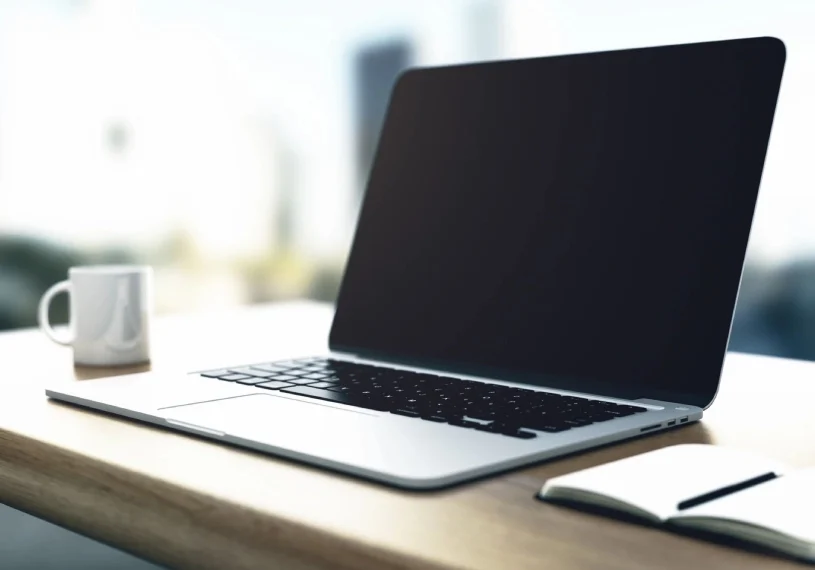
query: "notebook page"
785, 505
657, 481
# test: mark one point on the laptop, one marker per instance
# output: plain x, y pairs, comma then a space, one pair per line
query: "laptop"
547, 259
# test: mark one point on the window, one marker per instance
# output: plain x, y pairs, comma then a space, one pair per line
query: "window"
227, 143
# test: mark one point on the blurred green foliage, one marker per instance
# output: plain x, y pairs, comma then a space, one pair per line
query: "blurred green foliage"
28, 267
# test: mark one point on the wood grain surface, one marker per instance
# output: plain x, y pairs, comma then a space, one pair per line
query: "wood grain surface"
189, 503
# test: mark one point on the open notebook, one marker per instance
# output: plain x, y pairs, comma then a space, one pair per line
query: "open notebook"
705, 488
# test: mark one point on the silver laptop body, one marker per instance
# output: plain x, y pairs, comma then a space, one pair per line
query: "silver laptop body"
393, 449
563, 236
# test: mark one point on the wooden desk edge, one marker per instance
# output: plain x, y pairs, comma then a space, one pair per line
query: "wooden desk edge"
117, 506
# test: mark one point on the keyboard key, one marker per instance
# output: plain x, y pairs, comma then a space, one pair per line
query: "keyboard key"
251, 372
274, 385
321, 384
446, 411
577, 422
543, 422
635, 409
480, 414
554, 428
286, 363
522, 434
337, 397
234, 377
314, 376
268, 367
440, 419
617, 412
602, 417
490, 427
286, 378
461, 422
406, 412
215, 373
252, 381
296, 380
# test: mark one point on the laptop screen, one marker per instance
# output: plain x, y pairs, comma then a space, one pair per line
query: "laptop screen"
576, 221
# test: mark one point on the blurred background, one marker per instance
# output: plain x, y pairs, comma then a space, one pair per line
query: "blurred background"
227, 143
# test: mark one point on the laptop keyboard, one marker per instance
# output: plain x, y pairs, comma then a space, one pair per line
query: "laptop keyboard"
492, 408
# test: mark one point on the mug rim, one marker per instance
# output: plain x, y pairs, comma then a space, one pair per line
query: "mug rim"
113, 269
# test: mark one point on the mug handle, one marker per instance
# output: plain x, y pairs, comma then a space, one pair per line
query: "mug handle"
42, 313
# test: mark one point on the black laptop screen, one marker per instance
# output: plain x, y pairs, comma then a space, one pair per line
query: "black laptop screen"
579, 220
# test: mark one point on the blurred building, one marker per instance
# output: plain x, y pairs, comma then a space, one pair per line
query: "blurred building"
375, 71
228, 143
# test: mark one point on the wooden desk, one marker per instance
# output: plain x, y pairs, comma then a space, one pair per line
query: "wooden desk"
186, 502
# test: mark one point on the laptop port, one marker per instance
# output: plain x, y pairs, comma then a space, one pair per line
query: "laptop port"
683, 420
649, 428
672, 422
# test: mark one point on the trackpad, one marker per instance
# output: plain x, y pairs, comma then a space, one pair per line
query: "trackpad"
356, 440
265, 417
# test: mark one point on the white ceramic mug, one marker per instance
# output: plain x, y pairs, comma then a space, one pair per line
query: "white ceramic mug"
110, 307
